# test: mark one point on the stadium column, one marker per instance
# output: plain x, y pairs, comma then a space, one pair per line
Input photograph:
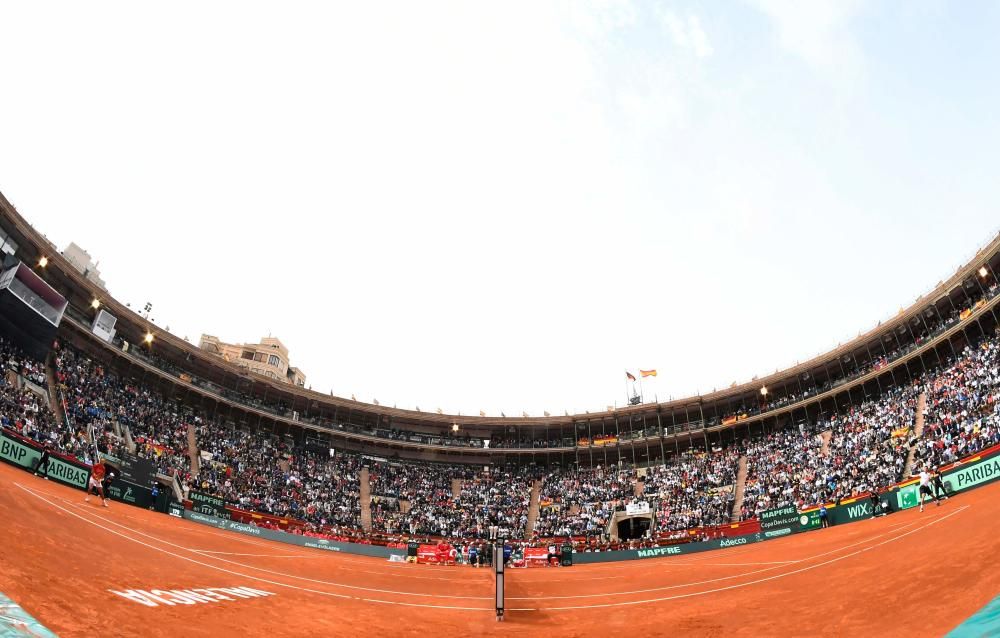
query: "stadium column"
871, 361
673, 433
704, 432
913, 339
955, 311
659, 432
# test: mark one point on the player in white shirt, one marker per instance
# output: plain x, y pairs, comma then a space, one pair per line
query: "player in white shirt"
925, 488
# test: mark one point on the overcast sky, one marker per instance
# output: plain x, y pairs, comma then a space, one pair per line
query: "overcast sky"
504, 206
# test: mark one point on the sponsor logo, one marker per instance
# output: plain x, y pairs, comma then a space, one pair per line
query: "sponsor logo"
171, 597
729, 542
803, 520
778, 532
859, 510
14, 451
658, 551
329, 548
976, 474
246, 529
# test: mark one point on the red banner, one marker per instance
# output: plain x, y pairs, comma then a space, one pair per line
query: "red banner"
536, 557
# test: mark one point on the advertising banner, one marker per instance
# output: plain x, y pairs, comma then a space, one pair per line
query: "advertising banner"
809, 520
852, 510
25, 453
536, 556
205, 503
635, 509
779, 522
128, 492
973, 474
294, 539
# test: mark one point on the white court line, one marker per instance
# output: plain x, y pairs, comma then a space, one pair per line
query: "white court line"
391, 570
277, 573
776, 564
210, 551
235, 573
747, 584
567, 608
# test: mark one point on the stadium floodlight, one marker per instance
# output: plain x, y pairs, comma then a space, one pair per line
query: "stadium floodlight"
44, 261
454, 427
149, 337
763, 391
95, 304
983, 272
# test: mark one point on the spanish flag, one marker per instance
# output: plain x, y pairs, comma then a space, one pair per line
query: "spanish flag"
647, 373
629, 376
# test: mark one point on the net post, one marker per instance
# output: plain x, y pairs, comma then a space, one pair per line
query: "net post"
498, 570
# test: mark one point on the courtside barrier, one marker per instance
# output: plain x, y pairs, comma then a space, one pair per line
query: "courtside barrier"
582, 558
24, 453
205, 503
971, 473
131, 493
294, 539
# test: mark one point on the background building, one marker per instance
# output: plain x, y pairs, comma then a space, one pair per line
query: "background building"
84, 264
268, 358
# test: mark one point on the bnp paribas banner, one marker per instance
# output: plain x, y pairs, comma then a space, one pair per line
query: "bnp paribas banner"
973, 474
25, 453
959, 479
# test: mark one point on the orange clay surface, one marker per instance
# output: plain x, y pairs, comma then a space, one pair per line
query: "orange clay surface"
908, 574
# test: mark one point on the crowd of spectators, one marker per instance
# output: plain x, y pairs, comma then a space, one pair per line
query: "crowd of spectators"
695, 489
962, 414
865, 447
26, 412
496, 496
266, 474
581, 502
98, 398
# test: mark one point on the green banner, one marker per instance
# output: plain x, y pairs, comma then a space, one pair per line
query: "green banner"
974, 474
786, 516
128, 492
908, 496
848, 513
809, 520
26, 454
209, 504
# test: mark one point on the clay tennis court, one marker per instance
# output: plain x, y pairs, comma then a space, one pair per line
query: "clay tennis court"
908, 574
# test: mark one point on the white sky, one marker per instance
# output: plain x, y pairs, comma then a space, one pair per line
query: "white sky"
504, 206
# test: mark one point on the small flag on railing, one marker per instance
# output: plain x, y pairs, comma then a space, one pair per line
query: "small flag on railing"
629, 376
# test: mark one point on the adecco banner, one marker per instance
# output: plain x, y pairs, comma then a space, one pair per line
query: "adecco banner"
294, 539
25, 453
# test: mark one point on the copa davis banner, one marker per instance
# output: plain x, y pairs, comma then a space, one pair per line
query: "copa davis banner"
293, 539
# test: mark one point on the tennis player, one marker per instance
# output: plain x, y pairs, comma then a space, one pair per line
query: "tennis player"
96, 476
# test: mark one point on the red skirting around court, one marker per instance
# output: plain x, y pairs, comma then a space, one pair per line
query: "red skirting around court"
909, 574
